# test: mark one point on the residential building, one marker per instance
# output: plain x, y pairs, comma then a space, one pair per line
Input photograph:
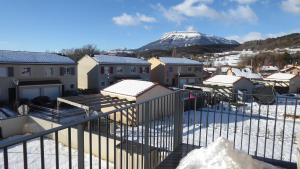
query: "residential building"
267, 70
291, 69
170, 71
244, 72
284, 82
234, 82
26, 75
101, 71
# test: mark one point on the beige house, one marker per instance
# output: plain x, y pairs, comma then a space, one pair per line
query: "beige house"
170, 71
101, 71
284, 80
26, 75
138, 91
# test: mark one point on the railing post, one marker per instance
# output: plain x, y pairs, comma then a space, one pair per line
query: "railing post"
80, 145
146, 145
178, 119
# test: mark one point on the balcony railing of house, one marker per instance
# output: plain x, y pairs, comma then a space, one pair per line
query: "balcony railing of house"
145, 135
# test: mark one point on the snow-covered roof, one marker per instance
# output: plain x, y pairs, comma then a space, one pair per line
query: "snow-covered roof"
269, 68
19, 57
246, 72
210, 69
130, 87
222, 80
108, 59
179, 61
280, 77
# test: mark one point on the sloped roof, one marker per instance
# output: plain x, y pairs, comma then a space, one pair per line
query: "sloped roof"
246, 72
222, 80
20, 57
280, 77
179, 61
130, 87
108, 59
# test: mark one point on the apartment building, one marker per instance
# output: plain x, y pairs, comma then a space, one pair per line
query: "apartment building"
26, 75
170, 71
101, 71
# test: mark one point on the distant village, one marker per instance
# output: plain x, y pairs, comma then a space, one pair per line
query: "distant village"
34, 77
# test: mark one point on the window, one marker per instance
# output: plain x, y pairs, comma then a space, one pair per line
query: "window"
132, 69
102, 83
102, 70
106, 69
119, 69
170, 69
26, 71
3, 72
67, 71
197, 69
189, 69
49, 71
72, 86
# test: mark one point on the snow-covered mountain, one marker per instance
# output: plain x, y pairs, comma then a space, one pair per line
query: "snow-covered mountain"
183, 39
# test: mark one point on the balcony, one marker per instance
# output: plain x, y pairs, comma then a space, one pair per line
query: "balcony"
159, 132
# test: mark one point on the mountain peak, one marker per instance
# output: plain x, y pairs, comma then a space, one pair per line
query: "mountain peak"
186, 38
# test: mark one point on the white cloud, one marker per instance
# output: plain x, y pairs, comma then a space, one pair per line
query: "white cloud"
202, 9
240, 14
245, 1
292, 6
191, 28
132, 20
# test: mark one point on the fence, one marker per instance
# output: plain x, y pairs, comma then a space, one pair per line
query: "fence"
265, 131
143, 135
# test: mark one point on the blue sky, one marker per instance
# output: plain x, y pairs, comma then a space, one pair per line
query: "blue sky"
51, 25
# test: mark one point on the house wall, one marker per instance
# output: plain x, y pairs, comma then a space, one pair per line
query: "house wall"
107, 78
38, 72
294, 85
87, 73
161, 73
245, 84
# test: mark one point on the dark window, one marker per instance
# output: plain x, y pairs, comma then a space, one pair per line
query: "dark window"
10, 71
102, 70
170, 69
141, 69
147, 70
62, 71
72, 71
72, 86
111, 70
189, 69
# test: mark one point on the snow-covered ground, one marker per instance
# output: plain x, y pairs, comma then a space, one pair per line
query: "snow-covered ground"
220, 154
15, 156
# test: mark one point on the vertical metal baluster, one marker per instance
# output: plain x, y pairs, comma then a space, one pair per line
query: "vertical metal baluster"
155, 129
188, 122
206, 123
250, 125
150, 133
284, 118
42, 152
243, 117
107, 141
214, 117
90, 143
228, 119
115, 138
122, 140
293, 131
235, 125
257, 134
143, 136
275, 122
194, 125
132, 134
138, 134
70, 147
266, 131
200, 120
56, 150
5, 155
25, 155
161, 132
99, 142
221, 119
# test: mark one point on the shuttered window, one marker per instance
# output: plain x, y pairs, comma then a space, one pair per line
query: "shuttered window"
102, 70
62, 71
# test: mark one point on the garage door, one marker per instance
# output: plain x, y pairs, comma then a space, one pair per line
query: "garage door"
29, 93
52, 92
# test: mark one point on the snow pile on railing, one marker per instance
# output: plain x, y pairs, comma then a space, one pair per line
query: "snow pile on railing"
221, 155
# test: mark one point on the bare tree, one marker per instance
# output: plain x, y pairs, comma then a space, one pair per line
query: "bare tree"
78, 53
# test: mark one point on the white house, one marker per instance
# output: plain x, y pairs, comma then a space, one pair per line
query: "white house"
228, 81
290, 81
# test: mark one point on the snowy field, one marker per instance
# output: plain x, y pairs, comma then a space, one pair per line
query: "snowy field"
15, 156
